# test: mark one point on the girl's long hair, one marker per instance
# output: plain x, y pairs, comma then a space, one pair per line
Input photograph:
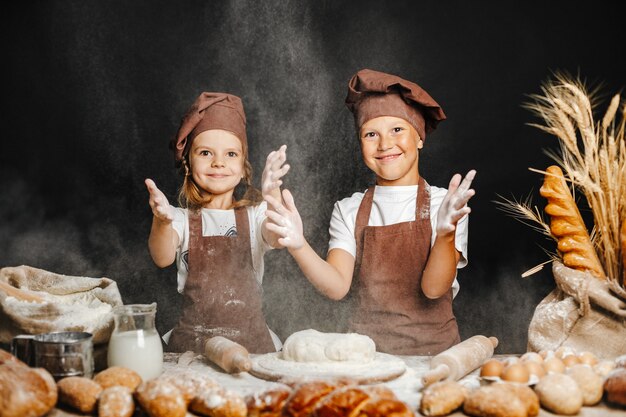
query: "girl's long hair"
190, 196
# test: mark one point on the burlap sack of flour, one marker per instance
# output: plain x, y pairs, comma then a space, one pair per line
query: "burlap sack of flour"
583, 313
70, 303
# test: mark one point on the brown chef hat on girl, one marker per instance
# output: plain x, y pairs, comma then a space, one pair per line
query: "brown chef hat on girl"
373, 94
210, 111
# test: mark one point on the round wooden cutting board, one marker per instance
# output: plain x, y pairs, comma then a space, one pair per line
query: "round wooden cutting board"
271, 367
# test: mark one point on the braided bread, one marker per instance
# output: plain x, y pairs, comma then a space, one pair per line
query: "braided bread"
567, 226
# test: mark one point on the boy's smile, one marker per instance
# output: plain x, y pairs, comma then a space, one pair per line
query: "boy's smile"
389, 146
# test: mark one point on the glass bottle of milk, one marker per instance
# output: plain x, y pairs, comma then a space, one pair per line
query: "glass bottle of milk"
135, 342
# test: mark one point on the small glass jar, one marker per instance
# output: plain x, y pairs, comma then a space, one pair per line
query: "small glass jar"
135, 342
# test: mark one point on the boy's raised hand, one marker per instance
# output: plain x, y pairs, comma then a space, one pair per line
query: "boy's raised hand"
158, 202
285, 221
275, 169
454, 205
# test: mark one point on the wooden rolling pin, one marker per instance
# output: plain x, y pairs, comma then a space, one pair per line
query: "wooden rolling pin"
460, 359
228, 355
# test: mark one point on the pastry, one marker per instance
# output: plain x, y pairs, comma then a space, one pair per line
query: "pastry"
79, 393
560, 394
116, 401
305, 398
343, 402
268, 403
218, 402
385, 407
116, 376
161, 398
442, 398
567, 225
615, 387
24, 391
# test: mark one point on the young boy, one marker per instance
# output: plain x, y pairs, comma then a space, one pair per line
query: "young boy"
398, 245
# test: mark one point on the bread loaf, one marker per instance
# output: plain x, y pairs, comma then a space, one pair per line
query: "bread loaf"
24, 391
560, 394
442, 398
567, 226
218, 402
267, 404
589, 382
79, 393
116, 401
494, 401
615, 387
118, 376
160, 398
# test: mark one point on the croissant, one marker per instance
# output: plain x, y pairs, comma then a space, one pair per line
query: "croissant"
567, 226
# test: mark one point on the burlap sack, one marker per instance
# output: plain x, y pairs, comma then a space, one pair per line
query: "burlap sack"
583, 312
70, 303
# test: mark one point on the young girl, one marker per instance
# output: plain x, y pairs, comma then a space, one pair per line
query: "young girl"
398, 245
218, 237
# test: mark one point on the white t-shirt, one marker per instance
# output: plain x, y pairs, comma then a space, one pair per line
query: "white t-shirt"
391, 205
217, 222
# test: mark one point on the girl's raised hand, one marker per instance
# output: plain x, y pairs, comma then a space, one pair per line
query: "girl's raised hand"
275, 169
159, 204
285, 221
454, 205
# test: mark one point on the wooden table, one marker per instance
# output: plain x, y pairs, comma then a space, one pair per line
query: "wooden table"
407, 387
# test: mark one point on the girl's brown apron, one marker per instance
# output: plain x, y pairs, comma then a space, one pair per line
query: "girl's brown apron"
390, 305
221, 295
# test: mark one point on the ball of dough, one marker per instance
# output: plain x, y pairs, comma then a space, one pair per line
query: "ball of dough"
313, 346
589, 382
560, 394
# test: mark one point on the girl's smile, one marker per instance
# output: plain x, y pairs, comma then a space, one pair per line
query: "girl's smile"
217, 164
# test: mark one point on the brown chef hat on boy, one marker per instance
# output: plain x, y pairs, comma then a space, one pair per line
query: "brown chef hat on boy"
373, 94
210, 111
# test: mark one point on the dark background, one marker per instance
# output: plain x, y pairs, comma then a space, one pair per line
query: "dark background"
93, 91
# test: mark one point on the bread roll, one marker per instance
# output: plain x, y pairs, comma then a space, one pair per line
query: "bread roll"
118, 376
268, 403
527, 396
615, 387
560, 394
79, 393
24, 391
218, 402
442, 398
589, 383
116, 401
567, 226
495, 400
159, 398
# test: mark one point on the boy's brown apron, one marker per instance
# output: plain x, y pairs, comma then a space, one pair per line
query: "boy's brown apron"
390, 305
221, 295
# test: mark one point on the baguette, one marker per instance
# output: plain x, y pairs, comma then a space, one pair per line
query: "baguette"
567, 226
